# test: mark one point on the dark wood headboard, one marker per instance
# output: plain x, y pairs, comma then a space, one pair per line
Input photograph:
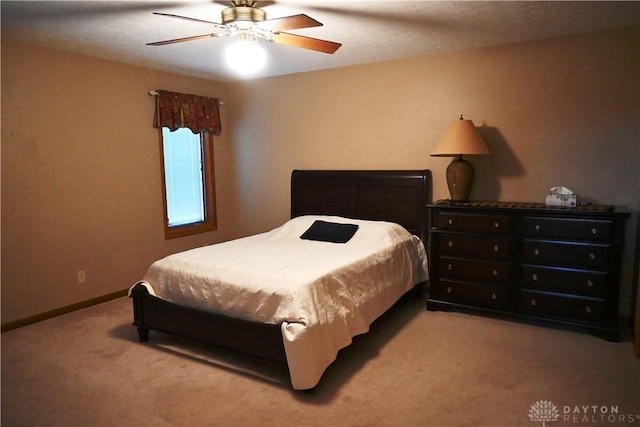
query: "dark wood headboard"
399, 196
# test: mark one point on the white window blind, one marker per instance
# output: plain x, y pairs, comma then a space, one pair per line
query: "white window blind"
184, 180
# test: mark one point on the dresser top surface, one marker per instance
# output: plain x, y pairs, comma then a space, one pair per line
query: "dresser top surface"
587, 209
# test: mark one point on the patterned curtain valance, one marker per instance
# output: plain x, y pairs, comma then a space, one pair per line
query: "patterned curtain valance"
178, 110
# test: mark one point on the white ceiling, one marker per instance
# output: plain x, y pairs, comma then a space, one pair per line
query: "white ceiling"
370, 31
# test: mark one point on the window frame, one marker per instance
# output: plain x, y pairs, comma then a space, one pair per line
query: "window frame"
210, 221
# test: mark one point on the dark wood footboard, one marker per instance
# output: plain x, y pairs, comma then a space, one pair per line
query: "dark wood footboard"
257, 340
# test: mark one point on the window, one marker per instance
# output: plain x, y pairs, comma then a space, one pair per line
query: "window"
187, 182
186, 125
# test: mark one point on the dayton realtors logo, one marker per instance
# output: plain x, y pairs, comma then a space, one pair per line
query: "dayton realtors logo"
545, 411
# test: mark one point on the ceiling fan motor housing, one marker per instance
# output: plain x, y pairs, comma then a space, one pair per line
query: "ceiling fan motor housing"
243, 14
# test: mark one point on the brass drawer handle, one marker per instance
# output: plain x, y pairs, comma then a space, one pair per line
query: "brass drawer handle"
449, 267
496, 224
450, 244
537, 227
450, 221
534, 277
590, 283
494, 296
533, 301
449, 290
536, 251
592, 256
496, 248
495, 272
587, 309
594, 231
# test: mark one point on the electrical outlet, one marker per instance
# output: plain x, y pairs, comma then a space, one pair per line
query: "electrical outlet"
82, 276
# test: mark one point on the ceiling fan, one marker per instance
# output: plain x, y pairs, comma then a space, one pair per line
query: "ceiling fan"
243, 18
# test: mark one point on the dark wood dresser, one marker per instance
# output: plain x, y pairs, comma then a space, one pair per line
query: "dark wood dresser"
528, 260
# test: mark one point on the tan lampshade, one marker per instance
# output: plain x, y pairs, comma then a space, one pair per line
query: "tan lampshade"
461, 137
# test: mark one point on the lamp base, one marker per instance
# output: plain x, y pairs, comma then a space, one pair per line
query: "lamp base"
460, 175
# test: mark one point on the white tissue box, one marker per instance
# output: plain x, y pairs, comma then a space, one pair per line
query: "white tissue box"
561, 200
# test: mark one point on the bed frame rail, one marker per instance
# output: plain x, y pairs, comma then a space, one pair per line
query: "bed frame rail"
257, 340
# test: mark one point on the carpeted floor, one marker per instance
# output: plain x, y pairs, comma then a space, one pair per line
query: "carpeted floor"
414, 368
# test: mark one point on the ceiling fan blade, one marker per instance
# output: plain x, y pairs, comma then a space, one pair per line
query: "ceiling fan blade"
217, 25
289, 23
306, 42
184, 39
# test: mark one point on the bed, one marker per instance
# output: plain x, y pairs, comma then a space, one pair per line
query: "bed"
295, 313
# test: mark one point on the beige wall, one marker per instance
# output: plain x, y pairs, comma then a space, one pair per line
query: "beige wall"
81, 177
80, 166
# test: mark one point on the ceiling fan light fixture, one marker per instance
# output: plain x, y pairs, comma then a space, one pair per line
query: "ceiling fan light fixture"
245, 55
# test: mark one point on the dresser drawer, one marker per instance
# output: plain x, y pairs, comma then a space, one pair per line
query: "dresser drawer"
567, 228
565, 307
581, 282
473, 269
497, 248
477, 295
565, 253
494, 224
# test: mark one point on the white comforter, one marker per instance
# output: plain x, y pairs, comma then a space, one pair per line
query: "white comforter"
322, 293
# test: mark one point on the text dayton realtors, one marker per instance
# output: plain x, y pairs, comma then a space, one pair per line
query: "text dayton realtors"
596, 414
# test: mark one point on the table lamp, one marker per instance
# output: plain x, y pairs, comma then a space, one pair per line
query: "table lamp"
461, 138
